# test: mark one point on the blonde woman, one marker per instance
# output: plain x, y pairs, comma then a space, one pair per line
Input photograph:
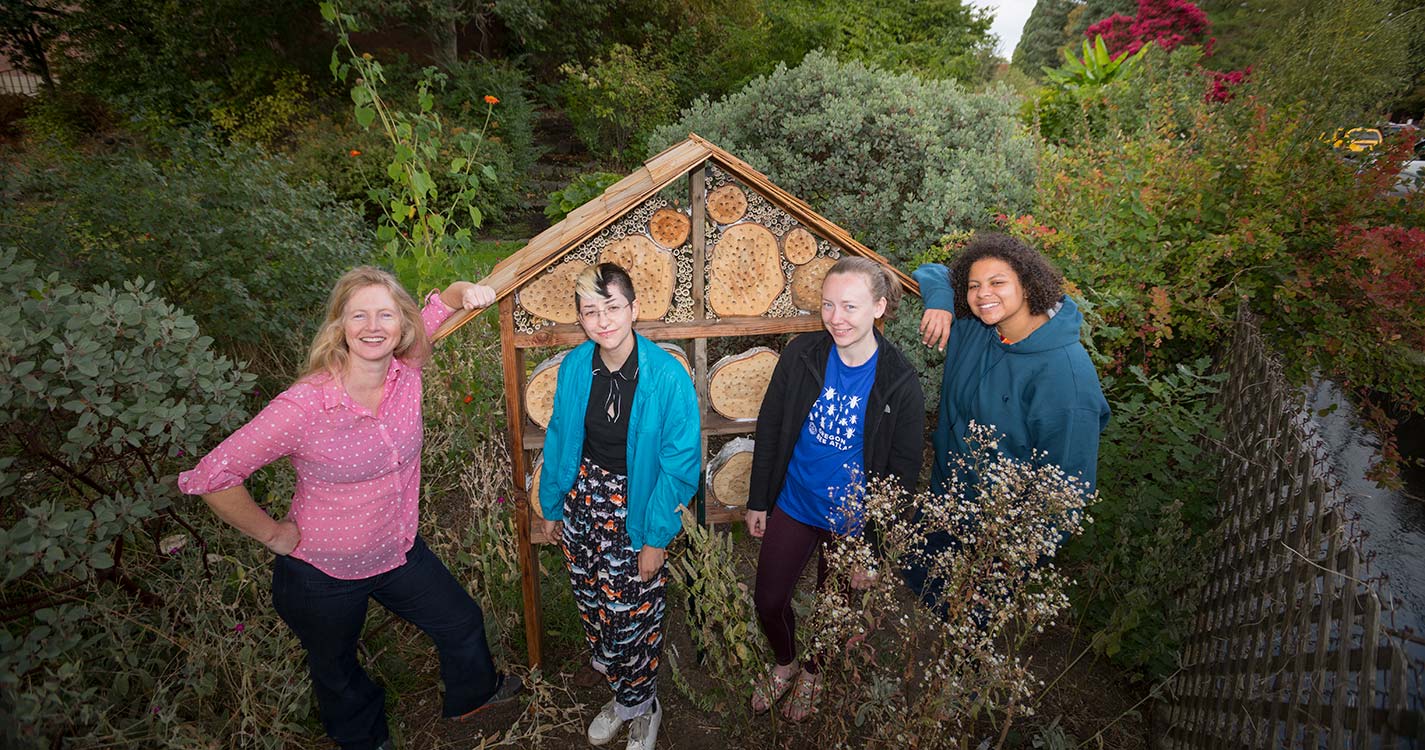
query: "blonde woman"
351, 425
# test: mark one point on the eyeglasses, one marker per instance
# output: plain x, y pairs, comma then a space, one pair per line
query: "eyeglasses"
592, 314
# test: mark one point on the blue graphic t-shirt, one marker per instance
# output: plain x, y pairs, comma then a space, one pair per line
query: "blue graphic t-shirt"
828, 455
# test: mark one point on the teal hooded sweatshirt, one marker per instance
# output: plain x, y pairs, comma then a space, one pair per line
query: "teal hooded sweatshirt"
1040, 394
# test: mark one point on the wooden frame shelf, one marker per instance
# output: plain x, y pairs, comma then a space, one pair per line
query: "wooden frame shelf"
570, 334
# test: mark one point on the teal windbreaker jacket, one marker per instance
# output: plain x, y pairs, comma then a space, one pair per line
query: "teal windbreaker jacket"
663, 442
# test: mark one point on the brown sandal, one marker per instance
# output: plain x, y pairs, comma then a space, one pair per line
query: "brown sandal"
804, 698
770, 689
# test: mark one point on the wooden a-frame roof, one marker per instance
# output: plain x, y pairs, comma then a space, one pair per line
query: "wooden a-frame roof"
627, 194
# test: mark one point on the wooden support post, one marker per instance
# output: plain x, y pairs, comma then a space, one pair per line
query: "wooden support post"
513, 360
697, 202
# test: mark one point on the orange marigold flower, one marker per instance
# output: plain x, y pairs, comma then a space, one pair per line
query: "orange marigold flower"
490, 99
353, 152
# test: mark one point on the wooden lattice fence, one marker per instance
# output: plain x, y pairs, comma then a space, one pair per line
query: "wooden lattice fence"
1288, 647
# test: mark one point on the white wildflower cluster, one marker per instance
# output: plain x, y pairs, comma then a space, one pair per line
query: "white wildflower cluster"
953, 658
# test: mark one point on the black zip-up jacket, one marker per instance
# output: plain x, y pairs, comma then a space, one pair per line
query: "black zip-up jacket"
895, 416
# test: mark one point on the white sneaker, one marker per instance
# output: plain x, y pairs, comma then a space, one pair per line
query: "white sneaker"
605, 726
643, 730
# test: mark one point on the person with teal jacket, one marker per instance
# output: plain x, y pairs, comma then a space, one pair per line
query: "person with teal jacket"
621, 454
1012, 360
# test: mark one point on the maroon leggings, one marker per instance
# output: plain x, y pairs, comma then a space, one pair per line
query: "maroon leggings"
787, 545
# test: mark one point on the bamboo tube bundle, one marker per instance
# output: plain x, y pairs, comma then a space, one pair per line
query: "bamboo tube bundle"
551, 294
737, 383
806, 283
798, 245
730, 472
727, 204
652, 269
669, 227
534, 505
746, 271
539, 391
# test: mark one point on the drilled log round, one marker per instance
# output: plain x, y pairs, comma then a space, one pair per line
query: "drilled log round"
806, 283
799, 246
678, 354
534, 505
746, 271
551, 294
652, 269
669, 227
539, 391
737, 383
730, 473
727, 204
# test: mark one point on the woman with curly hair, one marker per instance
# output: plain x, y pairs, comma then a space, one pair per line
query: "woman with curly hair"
1013, 361
351, 426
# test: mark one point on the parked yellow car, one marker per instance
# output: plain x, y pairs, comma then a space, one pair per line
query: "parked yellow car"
1356, 140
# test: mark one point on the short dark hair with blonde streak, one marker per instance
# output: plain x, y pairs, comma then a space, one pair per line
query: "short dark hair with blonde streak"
594, 282
328, 353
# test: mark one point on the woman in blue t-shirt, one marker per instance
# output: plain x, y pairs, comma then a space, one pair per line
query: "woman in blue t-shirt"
843, 405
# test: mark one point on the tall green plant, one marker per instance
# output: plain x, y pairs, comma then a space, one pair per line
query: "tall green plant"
1095, 68
419, 220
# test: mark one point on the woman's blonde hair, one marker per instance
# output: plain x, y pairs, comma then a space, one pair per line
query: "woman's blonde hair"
877, 276
328, 354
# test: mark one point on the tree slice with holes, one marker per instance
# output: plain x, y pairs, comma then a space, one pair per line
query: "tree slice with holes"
798, 245
539, 391
652, 269
669, 227
806, 283
727, 204
551, 294
534, 505
737, 383
730, 473
678, 354
746, 271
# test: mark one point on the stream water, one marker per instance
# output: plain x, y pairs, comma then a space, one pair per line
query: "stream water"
1390, 522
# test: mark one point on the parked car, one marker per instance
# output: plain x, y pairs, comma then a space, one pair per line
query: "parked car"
1356, 140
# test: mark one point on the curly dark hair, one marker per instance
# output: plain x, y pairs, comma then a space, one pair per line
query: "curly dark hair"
1042, 282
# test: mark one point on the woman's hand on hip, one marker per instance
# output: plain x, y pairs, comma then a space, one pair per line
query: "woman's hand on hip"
285, 539
935, 327
650, 561
756, 521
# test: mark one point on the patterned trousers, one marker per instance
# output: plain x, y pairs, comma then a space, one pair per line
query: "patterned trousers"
622, 615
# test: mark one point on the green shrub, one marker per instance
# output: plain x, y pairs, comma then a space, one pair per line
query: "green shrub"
264, 111
219, 230
512, 126
157, 65
104, 392
896, 160
616, 102
1156, 488
580, 190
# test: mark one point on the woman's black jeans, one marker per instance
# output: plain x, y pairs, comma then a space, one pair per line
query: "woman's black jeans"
327, 614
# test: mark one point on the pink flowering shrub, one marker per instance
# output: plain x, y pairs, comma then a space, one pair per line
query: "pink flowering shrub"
1166, 23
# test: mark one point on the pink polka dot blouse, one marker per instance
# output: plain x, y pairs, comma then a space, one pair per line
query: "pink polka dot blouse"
358, 474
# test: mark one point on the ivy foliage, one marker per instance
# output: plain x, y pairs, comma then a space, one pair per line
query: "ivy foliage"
896, 159
103, 391
217, 230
